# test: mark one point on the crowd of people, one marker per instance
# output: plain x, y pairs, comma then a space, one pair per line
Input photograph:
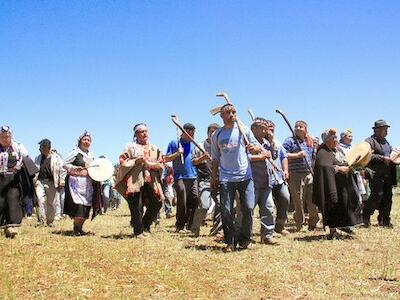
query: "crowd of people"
234, 170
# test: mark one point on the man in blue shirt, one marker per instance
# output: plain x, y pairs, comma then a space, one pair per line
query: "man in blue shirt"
185, 182
231, 170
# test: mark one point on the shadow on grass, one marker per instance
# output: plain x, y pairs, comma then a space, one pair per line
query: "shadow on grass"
71, 233
119, 236
205, 247
313, 238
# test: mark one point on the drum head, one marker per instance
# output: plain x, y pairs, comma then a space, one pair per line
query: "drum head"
101, 169
359, 155
395, 155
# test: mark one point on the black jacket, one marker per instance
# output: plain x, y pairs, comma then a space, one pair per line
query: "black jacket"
377, 163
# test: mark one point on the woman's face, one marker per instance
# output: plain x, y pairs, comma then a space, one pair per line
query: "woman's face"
331, 144
84, 143
5, 138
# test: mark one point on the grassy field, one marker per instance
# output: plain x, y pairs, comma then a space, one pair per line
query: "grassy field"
48, 263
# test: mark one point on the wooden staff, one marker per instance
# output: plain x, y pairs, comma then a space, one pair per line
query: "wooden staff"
178, 138
174, 119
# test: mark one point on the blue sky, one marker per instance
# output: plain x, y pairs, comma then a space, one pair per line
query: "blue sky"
66, 66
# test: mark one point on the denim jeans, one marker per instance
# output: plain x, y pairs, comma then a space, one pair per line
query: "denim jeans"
206, 197
266, 206
281, 195
228, 190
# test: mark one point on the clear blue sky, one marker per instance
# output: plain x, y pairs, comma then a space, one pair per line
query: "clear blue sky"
66, 66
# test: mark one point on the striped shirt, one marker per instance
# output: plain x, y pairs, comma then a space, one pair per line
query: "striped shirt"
298, 165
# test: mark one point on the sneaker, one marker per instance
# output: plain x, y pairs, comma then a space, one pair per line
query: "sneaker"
196, 232
268, 241
283, 232
229, 248
10, 232
245, 244
140, 236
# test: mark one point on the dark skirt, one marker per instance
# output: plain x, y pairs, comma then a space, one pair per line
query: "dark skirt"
11, 209
71, 208
344, 212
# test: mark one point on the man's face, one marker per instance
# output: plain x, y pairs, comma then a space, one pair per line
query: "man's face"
381, 132
5, 138
210, 132
228, 115
142, 136
190, 133
44, 150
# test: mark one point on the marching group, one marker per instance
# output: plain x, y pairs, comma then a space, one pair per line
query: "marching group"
234, 170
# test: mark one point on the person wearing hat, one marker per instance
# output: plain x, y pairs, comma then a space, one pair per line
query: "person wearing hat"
11, 163
51, 177
383, 179
185, 178
139, 180
334, 189
81, 192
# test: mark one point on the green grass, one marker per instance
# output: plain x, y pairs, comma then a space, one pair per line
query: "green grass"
45, 263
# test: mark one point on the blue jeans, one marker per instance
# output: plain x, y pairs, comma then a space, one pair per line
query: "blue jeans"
266, 205
280, 193
232, 236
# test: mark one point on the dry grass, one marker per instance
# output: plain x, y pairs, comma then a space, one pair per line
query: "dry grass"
46, 263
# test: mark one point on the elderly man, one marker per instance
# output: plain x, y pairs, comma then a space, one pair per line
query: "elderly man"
51, 178
383, 179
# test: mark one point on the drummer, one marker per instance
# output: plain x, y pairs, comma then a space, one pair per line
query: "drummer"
384, 177
81, 192
139, 180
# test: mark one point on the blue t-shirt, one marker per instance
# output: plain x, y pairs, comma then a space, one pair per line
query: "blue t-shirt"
185, 170
229, 150
278, 155
298, 165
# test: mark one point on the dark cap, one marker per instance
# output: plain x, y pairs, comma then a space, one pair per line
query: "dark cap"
45, 143
380, 123
189, 126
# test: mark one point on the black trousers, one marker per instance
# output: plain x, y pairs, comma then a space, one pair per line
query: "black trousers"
380, 199
187, 200
11, 211
146, 197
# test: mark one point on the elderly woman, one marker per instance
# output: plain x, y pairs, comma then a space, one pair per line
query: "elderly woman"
139, 180
81, 192
334, 190
11, 191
